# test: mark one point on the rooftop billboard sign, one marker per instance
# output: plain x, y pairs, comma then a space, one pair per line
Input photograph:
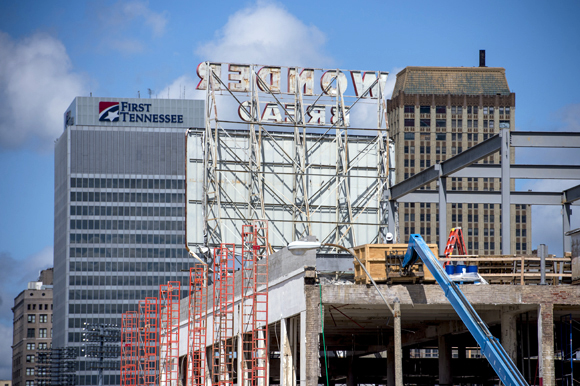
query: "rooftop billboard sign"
323, 94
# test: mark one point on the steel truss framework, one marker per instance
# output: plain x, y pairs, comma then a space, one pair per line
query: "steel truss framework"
254, 323
168, 307
222, 357
197, 326
463, 165
304, 175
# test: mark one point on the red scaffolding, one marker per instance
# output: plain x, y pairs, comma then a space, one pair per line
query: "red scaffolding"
129, 346
197, 327
151, 332
255, 252
168, 306
140, 364
223, 315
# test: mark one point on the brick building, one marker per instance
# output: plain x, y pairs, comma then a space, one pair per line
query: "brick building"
436, 113
32, 331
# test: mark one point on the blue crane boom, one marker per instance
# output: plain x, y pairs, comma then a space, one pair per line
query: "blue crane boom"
490, 346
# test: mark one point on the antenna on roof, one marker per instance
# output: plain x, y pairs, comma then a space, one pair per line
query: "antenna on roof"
481, 58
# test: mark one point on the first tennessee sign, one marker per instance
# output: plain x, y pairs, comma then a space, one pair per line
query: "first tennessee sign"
320, 88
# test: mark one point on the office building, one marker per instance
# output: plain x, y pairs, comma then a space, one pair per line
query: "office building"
436, 113
119, 211
32, 331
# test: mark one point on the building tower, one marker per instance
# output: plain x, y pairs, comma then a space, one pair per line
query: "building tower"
32, 331
119, 211
436, 113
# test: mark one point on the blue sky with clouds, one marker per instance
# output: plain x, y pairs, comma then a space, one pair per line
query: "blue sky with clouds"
53, 51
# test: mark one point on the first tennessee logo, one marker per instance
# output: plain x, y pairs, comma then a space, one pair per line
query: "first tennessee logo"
109, 111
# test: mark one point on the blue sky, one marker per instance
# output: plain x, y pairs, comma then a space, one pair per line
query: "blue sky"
52, 51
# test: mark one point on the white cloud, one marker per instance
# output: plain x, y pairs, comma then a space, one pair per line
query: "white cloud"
37, 84
181, 88
266, 33
155, 21
14, 276
125, 30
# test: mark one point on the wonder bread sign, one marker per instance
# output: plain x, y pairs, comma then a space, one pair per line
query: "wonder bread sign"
293, 95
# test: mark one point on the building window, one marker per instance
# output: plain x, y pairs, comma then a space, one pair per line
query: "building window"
491, 125
43, 318
409, 122
409, 109
42, 333
425, 109
30, 346
31, 318
29, 383
409, 136
440, 109
456, 109
30, 333
425, 122
43, 346
440, 123
30, 358
30, 371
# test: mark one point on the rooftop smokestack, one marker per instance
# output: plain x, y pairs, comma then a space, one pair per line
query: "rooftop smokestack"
481, 58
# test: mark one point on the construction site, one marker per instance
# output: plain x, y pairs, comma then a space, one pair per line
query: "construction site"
306, 274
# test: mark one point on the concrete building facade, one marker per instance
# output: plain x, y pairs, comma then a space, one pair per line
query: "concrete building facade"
33, 320
436, 113
119, 210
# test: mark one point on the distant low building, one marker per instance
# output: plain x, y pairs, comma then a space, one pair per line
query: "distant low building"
32, 331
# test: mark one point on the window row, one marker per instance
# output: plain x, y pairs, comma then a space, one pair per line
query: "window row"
42, 318
123, 294
154, 198
114, 281
41, 346
42, 333
126, 252
138, 225
78, 238
503, 110
32, 306
133, 266
149, 211
126, 183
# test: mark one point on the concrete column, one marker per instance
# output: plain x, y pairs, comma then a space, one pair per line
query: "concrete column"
391, 366
240, 347
293, 346
398, 346
312, 335
350, 375
546, 344
445, 377
286, 359
509, 333
303, 348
